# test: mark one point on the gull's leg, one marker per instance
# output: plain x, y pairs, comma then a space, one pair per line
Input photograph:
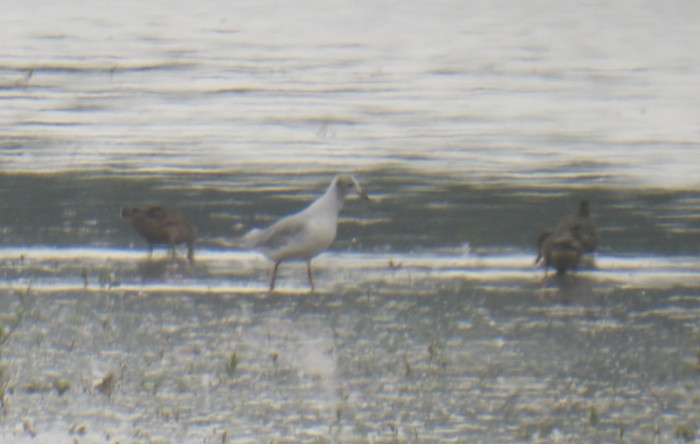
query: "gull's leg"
150, 251
308, 272
274, 275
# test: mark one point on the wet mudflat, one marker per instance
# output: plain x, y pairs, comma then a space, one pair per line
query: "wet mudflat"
460, 362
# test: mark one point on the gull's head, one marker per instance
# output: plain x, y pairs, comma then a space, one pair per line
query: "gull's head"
345, 183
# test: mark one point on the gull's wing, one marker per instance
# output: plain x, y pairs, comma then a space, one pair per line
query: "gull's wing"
282, 233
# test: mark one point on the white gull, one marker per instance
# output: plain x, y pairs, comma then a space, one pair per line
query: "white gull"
305, 234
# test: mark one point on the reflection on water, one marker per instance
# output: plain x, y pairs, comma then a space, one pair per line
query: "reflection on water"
473, 126
490, 92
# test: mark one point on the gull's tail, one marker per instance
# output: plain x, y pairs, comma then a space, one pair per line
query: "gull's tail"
245, 242
221, 242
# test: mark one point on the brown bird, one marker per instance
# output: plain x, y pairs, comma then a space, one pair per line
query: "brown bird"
560, 250
583, 227
574, 236
161, 227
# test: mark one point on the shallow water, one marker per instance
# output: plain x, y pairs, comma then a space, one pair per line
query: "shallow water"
473, 127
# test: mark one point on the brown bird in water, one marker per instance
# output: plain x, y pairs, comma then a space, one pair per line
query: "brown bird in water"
583, 227
560, 250
160, 226
574, 236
